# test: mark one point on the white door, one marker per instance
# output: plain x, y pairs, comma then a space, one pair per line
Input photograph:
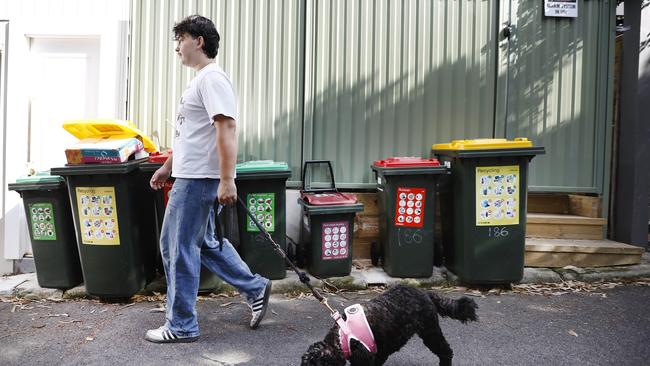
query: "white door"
63, 85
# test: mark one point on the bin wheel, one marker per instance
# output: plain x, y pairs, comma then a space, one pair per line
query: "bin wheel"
375, 254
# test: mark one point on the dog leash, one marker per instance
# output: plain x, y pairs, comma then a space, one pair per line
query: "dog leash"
301, 275
342, 324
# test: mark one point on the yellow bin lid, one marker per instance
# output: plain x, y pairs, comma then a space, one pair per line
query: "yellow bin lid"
95, 128
484, 144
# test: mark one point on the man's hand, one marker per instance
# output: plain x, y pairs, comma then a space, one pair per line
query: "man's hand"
227, 193
160, 177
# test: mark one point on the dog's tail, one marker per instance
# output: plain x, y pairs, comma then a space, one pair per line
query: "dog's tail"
463, 309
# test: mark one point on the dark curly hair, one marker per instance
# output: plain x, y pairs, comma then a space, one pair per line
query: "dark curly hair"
197, 25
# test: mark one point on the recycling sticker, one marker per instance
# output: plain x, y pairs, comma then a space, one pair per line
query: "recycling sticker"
262, 206
409, 210
41, 217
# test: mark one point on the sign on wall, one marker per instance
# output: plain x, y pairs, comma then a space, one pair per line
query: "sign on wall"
561, 8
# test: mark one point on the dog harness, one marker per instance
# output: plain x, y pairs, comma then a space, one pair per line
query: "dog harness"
355, 327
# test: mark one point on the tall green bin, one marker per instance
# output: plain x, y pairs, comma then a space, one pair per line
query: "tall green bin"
51, 230
208, 281
327, 223
262, 186
109, 211
407, 199
484, 208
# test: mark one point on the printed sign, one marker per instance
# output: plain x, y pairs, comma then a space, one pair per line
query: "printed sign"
98, 215
41, 216
561, 8
336, 240
497, 195
262, 205
409, 210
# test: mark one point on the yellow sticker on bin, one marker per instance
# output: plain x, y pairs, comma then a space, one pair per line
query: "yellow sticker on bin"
484, 144
97, 128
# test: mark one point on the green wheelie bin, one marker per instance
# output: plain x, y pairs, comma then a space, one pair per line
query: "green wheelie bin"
109, 213
208, 281
261, 185
51, 230
484, 208
406, 189
327, 223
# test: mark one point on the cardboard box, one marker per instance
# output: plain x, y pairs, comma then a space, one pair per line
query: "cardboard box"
103, 150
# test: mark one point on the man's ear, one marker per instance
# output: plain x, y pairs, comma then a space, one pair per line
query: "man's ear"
200, 41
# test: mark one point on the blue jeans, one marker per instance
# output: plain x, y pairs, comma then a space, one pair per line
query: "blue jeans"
187, 241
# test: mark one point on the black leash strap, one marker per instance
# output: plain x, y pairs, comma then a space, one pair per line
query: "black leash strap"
301, 275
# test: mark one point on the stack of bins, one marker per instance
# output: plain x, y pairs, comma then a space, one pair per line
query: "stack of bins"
51, 229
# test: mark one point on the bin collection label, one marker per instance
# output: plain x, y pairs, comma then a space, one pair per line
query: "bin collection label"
262, 205
409, 210
336, 240
41, 216
497, 195
98, 215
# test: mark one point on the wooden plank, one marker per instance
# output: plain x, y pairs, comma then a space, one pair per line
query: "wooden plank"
581, 246
569, 231
370, 203
550, 259
361, 248
548, 203
587, 206
367, 226
537, 218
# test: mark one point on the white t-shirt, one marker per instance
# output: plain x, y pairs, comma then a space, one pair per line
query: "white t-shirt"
210, 93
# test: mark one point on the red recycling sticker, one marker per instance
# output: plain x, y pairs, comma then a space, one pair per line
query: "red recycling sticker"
336, 240
409, 210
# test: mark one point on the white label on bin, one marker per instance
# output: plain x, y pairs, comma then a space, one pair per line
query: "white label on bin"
407, 200
333, 235
97, 213
497, 195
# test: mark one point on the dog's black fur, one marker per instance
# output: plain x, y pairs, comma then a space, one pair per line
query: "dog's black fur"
394, 317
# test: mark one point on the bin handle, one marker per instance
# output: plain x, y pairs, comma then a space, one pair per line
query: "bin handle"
307, 174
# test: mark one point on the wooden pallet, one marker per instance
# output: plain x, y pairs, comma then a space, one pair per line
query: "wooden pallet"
579, 253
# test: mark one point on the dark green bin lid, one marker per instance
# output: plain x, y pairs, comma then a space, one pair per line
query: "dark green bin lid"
90, 169
332, 209
262, 169
40, 181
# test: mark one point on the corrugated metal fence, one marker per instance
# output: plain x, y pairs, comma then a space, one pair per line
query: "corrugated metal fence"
355, 81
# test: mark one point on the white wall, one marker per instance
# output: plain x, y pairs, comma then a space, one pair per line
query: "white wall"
105, 20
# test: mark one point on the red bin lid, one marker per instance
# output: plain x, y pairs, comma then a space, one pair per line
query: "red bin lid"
406, 162
159, 158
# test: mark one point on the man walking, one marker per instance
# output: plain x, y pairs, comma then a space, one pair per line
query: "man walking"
203, 164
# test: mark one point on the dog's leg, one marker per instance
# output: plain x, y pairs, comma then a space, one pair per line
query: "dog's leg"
436, 343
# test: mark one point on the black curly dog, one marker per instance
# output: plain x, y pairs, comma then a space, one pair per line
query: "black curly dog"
394, 317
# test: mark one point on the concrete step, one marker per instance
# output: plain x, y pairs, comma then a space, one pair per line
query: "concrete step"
579, 253
553, 226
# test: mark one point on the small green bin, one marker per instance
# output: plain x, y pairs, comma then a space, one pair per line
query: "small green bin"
261, 185
51, 230
208, 281
109, 211
484, 208
327, 227
407, 199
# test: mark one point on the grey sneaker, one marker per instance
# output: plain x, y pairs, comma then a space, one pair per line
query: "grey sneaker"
164, 335
259, 306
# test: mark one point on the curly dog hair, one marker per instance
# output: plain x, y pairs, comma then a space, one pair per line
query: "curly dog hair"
394, 317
